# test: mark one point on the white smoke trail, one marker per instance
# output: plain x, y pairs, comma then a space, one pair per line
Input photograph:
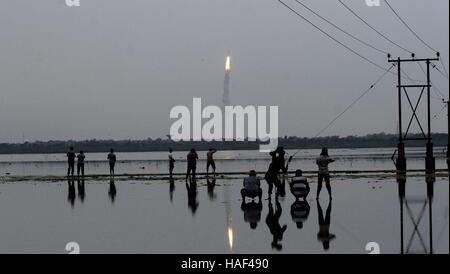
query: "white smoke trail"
226, 90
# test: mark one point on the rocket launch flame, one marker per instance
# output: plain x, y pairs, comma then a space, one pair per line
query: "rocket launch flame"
228, 64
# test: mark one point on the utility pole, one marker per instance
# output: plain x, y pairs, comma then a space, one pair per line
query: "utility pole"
403, 136
448, 136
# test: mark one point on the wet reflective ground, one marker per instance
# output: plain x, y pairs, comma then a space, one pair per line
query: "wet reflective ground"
159, 217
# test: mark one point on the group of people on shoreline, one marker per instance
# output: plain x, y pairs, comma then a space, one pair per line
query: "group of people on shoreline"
251, 187
71, 155
299, 185
275, 177
191, 159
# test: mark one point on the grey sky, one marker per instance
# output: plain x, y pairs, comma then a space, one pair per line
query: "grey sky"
115, 68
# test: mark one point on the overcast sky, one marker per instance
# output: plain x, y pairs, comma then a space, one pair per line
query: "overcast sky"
113, 69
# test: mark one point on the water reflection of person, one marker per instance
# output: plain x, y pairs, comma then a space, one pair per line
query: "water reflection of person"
112, 190
171, 188
211, 185
324, 234
81, 189
71, 192
300, 212
252, 212
273, 222
191, 188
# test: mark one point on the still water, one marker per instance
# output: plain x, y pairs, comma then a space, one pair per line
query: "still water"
127, 216
157, 217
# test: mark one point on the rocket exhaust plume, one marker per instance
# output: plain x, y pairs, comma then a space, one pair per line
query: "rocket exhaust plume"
227, 201
226, 82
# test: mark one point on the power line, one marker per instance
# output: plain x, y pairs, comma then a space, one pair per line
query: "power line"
436, 68
435, 116
374, 29
344, 45
331, 37
408, 27
443, 66
433, 86
421, 40
349, 106
354, 102
342, 30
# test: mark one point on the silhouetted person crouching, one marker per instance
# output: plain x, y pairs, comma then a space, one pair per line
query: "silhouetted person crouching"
299, 185
252, 186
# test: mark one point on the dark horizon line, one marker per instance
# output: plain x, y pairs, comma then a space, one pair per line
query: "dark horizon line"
288, 142
223, 140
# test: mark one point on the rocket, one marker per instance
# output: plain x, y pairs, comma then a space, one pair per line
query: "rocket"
226, 82
228, 64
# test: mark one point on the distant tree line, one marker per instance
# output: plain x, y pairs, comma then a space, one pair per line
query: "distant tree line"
288, 142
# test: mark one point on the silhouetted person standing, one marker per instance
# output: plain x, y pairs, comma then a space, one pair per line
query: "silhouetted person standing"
112, 161
210, 161
271, 178
324, 234
323, 174
280, 159
171, 163
80, 163
273, 155
273, 222
191, 163
70, 161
